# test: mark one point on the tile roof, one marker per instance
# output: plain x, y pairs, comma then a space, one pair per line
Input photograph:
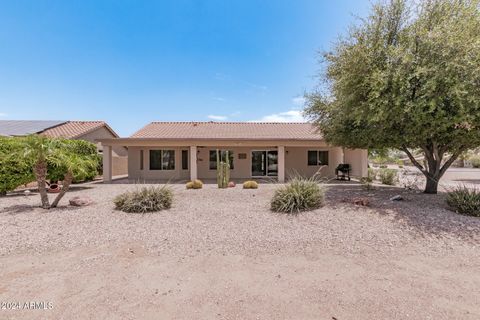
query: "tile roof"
75, 129
229, 131
26, 127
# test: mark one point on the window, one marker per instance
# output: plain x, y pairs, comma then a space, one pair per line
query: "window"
162, 159
223, 155
317, 158
184, 159
141, 159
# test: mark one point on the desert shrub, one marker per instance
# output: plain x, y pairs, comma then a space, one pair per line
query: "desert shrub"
195, 184
146, 199
475, 161
250, 184
299, 195
368, 180
465, 201
388, 176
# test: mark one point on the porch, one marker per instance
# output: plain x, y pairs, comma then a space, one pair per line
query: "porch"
260, 160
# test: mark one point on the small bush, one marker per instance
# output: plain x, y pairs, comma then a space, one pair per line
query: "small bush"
368, 180
250, 184
299, 195
475, 161
195, 184
147, 199
388, 176
465, 201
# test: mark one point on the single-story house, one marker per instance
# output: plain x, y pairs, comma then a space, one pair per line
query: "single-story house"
187, 151
78, 130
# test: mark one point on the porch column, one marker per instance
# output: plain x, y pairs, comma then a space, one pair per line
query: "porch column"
107, 164
281, 164
193, 163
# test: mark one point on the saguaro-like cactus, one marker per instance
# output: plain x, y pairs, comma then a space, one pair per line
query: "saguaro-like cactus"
223, 170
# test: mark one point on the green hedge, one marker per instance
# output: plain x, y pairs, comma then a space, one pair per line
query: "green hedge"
14, 171
17, 170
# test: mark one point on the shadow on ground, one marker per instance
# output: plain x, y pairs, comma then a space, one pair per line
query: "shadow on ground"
23, 208
423, 214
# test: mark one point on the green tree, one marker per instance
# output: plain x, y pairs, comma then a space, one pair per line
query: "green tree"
406, 77
14, 171
60, 156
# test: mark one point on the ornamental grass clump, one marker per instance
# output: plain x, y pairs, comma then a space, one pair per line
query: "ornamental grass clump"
465, 201
146, 199
299, 195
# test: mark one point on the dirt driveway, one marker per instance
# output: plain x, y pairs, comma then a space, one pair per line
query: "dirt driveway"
221, 254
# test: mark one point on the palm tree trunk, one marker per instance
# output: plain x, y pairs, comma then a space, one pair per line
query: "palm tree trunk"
67, 181
40, 171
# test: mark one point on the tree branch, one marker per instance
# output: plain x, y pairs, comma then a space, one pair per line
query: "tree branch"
67, 181
414, 161
449, 162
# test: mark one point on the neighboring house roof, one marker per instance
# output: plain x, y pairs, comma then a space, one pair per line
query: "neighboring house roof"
56, 129
228, 131
75, 129
26, 127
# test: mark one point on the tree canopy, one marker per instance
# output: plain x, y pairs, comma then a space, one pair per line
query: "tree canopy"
26, 159
405, 77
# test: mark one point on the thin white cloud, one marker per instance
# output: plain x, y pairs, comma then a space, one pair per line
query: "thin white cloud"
299, 101
217, 117
219, 99
3, 114
288, 116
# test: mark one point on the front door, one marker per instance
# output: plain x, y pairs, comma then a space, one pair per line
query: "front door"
264, 163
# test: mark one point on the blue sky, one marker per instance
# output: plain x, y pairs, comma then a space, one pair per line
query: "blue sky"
132, 62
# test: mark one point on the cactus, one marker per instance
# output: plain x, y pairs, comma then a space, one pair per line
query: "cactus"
223, 170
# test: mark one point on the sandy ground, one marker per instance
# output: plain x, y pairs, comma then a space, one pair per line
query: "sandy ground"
221, 254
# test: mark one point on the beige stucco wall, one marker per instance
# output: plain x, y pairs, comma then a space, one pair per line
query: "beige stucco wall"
295, 161
119, 166
358, 160
241, 167
135, 172
103, 133
119, 153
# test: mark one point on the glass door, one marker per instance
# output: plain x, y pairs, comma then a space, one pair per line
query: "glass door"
272, 163
258, 163
264, 163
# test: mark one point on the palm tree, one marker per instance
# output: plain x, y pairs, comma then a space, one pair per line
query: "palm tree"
75, 166
38, 149
41, 152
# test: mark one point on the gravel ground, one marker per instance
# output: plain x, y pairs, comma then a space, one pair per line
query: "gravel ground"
221, 254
